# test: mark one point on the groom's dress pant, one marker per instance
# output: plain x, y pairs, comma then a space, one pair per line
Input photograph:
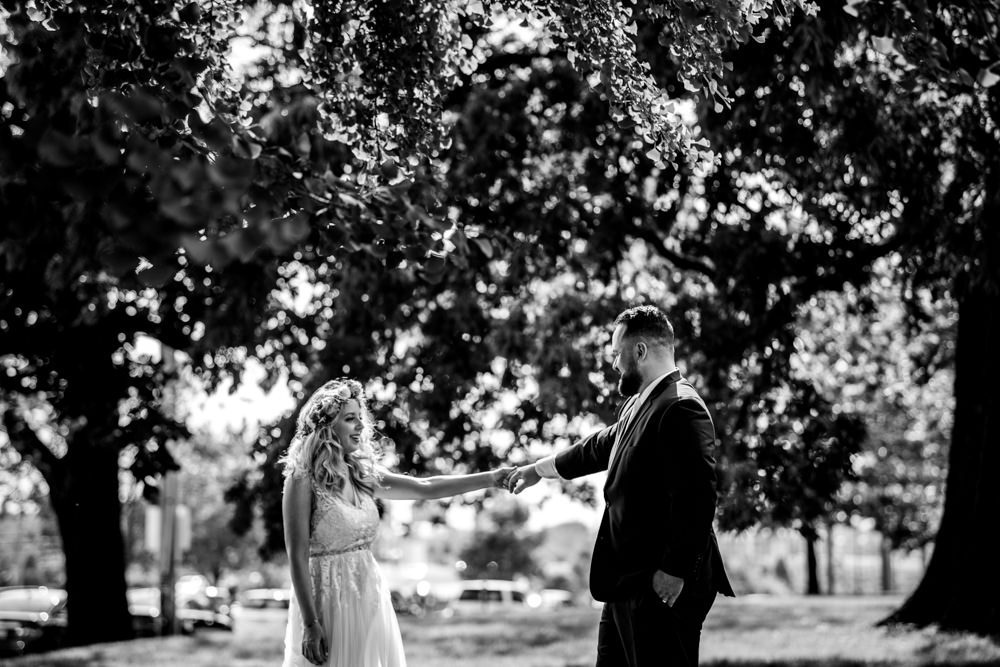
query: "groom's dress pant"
645, 632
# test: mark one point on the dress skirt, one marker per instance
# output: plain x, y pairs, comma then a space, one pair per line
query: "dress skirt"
355, 611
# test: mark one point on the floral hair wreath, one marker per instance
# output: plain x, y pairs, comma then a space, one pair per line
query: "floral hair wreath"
329, 398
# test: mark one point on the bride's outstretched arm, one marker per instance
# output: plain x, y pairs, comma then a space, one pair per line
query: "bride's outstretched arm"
401, 487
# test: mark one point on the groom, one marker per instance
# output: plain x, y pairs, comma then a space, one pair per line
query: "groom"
656, 563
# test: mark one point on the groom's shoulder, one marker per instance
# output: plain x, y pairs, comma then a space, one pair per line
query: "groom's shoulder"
681, 395
678, 391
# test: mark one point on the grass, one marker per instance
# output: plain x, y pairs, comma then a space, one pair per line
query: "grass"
746, 632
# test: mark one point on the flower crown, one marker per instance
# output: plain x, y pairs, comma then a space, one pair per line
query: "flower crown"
329, 398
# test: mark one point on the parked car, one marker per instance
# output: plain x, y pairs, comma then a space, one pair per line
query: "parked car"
209, 608
192, 613
32, 618
264, 598
550, 598
144, 605
480, 595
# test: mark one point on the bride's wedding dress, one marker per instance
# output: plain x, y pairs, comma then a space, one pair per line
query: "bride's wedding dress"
352, 599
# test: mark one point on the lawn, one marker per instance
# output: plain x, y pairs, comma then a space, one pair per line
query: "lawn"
819, 632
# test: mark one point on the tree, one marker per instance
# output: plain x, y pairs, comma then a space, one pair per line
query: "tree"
804, 456
210, 461
897, 372
121, 208
874, 361
882, 133
76, 391
501, 547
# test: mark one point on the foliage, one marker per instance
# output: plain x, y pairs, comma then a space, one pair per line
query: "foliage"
881, 138
386, 67
590, 223
803, 456
897, 373
209, 464
501, 547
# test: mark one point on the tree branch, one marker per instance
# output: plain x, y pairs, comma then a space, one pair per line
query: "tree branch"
657, 243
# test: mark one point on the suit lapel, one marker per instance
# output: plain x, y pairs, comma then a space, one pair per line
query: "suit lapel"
627, 436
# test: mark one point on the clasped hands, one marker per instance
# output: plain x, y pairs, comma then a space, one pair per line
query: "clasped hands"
517, 480
514, 479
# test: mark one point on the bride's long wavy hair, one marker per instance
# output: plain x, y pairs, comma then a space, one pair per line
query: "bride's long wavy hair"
316, 451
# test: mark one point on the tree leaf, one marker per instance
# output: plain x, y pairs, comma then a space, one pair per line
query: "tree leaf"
988, 77
484, 246
884, 45
249, 150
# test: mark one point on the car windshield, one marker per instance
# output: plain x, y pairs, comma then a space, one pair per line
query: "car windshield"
32, 600
480, 594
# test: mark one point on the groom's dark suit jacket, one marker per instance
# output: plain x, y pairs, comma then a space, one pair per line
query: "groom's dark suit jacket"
660, 496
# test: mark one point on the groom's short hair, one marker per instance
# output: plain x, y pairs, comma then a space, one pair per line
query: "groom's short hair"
649, 323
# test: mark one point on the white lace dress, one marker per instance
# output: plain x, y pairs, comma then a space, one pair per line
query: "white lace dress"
351, 597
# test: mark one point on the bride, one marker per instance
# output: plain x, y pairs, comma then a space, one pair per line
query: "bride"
340, 614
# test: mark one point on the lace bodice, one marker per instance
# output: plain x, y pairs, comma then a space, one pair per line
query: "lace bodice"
338, 526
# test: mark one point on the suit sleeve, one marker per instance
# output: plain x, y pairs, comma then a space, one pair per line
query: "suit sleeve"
688, 444
589, 455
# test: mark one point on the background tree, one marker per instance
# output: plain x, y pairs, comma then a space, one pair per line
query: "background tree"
879, 123
501, 546
120, 165
210, 460
895, 372
796, 461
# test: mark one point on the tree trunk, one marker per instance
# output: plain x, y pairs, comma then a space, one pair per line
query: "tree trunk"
885, 550
959, 590
812, 566
830, 574
89, 515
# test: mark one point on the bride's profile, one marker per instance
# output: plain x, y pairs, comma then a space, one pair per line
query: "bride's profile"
341, 614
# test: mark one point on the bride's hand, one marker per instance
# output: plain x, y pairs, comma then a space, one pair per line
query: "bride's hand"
314, 644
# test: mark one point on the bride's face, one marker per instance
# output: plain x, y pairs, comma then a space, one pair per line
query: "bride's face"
347, 426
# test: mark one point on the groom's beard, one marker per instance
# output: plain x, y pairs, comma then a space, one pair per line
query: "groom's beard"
629, 382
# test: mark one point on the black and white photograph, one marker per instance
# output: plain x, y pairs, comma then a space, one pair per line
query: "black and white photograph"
506, 333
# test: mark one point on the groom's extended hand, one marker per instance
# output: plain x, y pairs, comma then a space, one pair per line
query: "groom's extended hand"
522, 478
668, 587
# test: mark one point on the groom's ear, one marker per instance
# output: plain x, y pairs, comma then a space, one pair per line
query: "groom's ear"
640, 350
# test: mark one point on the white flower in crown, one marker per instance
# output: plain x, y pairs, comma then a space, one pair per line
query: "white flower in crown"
342, 393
